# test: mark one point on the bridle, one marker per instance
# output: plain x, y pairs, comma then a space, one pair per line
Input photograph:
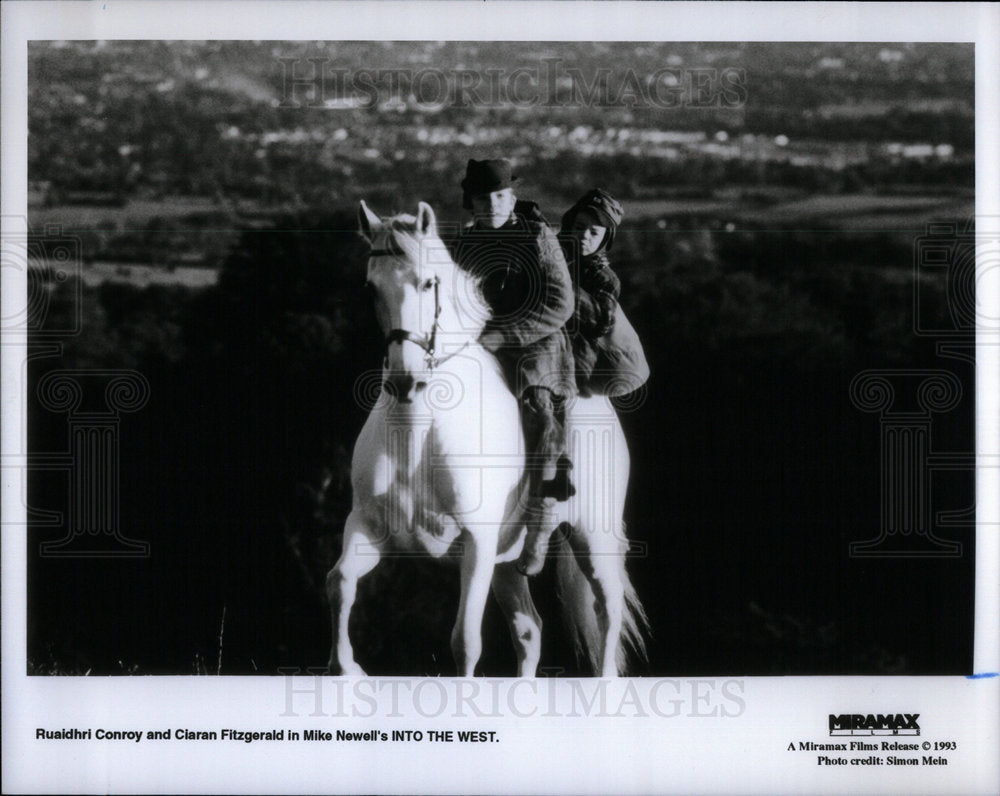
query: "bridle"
428, 342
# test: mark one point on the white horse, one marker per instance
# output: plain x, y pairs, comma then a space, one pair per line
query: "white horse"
438, 469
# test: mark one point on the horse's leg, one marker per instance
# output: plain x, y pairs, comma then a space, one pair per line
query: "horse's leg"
359, 557
478, 561
604, 573
511, 591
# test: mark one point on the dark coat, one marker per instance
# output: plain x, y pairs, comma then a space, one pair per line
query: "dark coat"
618, 358
597, 291
525, 281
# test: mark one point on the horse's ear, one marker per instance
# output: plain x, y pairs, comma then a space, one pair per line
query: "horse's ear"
426, 220
368, 221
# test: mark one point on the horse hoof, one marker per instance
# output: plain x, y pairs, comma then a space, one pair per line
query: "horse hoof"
335, 670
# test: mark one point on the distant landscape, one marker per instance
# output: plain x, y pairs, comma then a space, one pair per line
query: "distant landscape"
173, 141
768, 254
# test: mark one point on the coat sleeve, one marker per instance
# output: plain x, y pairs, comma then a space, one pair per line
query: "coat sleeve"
597, 303
546, 310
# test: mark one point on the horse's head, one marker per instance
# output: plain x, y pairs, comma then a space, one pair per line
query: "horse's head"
423, 302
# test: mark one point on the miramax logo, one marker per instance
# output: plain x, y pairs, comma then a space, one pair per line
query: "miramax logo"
875, 724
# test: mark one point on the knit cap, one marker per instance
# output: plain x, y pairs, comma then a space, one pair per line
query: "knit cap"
603, 206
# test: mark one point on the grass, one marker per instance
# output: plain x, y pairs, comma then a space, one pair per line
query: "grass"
51, 666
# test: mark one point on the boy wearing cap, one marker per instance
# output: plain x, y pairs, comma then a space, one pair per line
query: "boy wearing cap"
525, 282
588, 230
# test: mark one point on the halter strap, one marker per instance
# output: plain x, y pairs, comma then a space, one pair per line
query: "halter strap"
401, 335
427, 342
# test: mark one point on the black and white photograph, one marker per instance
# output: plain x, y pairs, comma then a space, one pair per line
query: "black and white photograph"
406, 395
763, 251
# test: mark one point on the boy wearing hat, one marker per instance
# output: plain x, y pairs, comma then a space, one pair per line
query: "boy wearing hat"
525, 282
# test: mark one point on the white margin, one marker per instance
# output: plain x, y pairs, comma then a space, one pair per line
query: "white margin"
538, 757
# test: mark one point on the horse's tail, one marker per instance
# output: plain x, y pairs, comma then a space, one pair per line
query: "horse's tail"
635, 628
577, 603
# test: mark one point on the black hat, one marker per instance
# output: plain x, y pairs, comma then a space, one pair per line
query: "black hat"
485, 176
603, 206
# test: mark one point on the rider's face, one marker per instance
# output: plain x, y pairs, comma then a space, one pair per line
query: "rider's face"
588, 233
494, 209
